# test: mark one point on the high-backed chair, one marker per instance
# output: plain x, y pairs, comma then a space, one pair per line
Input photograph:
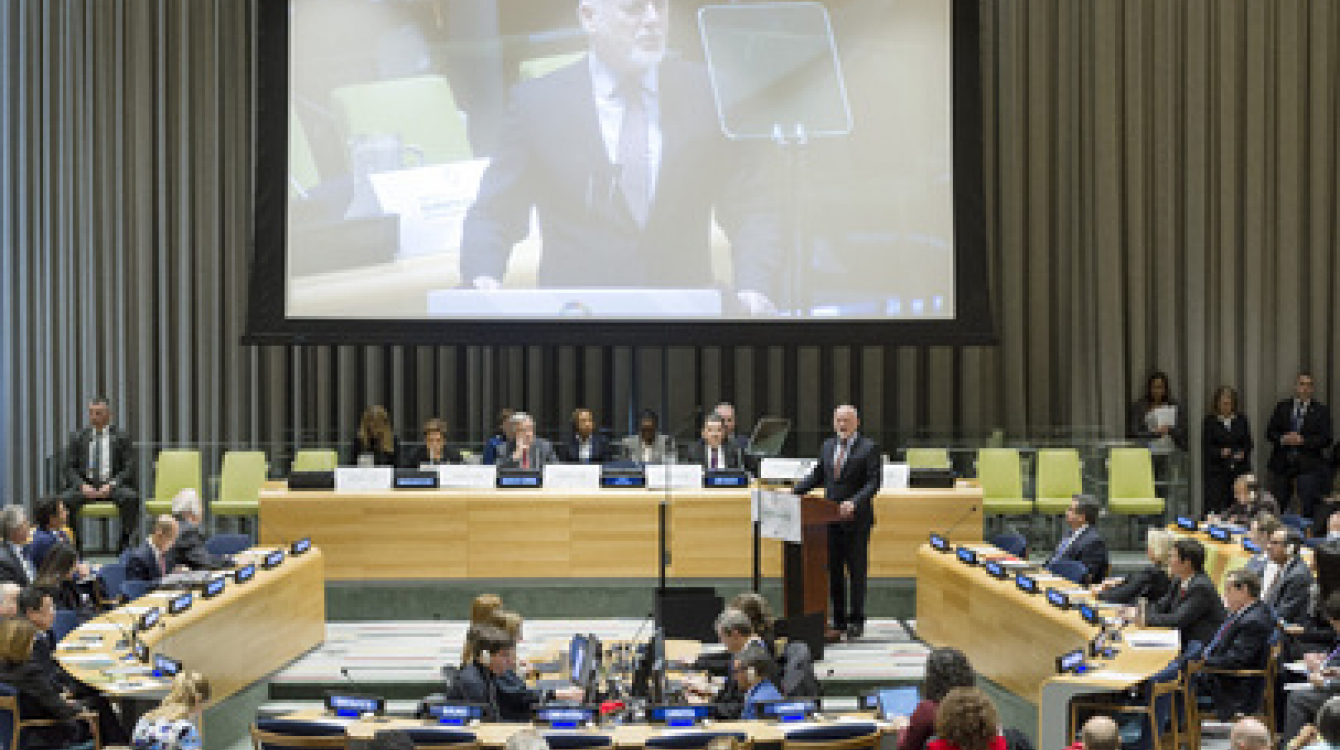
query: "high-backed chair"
240, 481
290, 734
322, 460
1145, 706
133, 590
12, 724
421, 111
1130, 485
1057, 481
1002, 481
227, 544
112, 576
927, 458
1266, 696
174, 471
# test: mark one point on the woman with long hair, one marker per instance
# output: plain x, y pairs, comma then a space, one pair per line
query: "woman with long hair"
1148, 418
376, 438
175, 724
946, 669
57, 578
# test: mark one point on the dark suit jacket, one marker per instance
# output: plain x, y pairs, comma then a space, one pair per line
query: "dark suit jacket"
41, 543
1091, 550
1316, 432
569, 451
142, 564
862, 473
379, 457
77, 470
516, 702
1290, 593
1138, 428
39, 696
541, 453
417, 456
729, 458
476, 684
11, 567
189, 550
1150, 582
1196, 610
551, 157
44, 658
1245, 644
1214, 438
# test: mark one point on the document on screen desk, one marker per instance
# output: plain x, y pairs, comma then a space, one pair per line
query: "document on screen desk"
777, 515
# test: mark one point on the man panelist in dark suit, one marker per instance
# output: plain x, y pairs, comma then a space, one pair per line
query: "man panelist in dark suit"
585, 445
1082, 543
149, 561
524, 450
1300, 431
1241, 643
624, 163
100, 467
714, 451
850, 470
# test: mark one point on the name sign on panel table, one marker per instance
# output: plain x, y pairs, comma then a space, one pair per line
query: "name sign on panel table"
785, 469
674, 476
363, 478
572, 476
895, 477
467, 476
777, 514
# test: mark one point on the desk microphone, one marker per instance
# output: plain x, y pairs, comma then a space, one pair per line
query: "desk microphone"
961, 519
361, 688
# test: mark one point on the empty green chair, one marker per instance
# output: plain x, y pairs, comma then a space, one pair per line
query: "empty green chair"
1130, 485
325, 460
420, 111
1057, 481
174, 471
927, 458
1002, 481
240, 481
542, 66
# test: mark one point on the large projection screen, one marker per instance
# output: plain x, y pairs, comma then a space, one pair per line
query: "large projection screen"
619, 171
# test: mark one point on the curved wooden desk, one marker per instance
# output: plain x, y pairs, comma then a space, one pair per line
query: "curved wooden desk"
235, 639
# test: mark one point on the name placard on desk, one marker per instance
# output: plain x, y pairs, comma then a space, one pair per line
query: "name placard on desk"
363, 478
572, 476
895, 477
674, 476
467, 476
775, 470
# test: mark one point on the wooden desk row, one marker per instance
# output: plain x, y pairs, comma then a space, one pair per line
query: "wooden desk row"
1013, 638
523, 533
1223, 557
234, 639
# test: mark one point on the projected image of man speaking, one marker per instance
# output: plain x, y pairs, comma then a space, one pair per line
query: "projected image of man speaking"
622, 160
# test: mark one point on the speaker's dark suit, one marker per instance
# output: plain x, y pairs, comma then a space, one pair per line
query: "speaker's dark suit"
11, 565
1090, 550
552, 157
1306, 463
1195, 610
858, 480
120, 474
1244, 643
541, 453
1221, 470
190, 550
729, 456
570, 450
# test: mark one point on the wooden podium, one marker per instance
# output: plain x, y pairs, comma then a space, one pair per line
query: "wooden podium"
805, 575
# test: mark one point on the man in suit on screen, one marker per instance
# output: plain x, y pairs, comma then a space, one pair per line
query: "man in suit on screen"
850, 470
623, 161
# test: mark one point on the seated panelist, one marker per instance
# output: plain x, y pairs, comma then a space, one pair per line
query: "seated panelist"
714, 451
754, 670
375, 443
1082, 542
1241, 643
585, 445
189, 551
648, 446
1150, 582
51, 518
524, 450
434, 450
736, 633
477, 682
149, 561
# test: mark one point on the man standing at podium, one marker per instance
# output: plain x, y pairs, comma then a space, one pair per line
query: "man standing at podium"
850, 471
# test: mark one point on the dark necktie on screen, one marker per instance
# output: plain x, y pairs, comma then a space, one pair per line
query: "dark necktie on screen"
634, 151
839, 457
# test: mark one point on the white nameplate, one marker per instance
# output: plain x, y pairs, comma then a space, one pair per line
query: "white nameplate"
467, 476
363, 478
895, 477
785, 469
572, 476
674, 476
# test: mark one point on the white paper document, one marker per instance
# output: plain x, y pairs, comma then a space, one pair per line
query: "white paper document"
572, 476
674, 476
777, 514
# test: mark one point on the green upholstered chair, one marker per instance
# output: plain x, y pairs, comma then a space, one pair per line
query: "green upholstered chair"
1057, 481
542, 66
1002, 481
927, 458
421, 111
174, 471
1130, 485
240, 480
325, 460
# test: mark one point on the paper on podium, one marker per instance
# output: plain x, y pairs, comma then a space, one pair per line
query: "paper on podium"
575, 303
895, 476
785, 469
777, 514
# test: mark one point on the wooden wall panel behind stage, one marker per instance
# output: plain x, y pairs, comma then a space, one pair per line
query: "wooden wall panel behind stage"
412, 534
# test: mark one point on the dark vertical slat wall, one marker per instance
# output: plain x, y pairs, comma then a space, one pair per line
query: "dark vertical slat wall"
1161, 192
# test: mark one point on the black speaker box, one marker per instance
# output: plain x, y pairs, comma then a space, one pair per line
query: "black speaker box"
689, 612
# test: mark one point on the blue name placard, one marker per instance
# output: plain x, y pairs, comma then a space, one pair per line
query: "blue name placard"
180, 603
215, 587
940, 543
966, 555
273, 559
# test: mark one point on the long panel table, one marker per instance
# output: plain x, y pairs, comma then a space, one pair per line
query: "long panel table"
1013, 638
541, 533
237, 638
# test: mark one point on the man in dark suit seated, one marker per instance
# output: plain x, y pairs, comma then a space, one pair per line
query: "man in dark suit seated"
623, 161
1300, 431
15, 567
1242, 642
100, 467
149, 561
1082, 543
1323, 674
850, 469
189, 550
434, 451
713, 451
51, 517
585, 445
1287, 579
525, 450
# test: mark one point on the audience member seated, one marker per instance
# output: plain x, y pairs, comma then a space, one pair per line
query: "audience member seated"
482, 611
1147, 419
946, 669
1324, 734
189, 550
754, 671
648, 446
516, 701
37, 606
526, 451
493, 449
1323, 674
967, 720
148, 562
1098, 733
100, 468
713, 451
1262, 527
756, 608
175, 723
1248, 502
1242, 642
1082, 542
584, 444
434, 450
1287, 582
51, 518
15, 567
736, 633
39, 697
477, 682
1192, 605
9, 599
58, 576
1248, 733
375, 443
1150, 582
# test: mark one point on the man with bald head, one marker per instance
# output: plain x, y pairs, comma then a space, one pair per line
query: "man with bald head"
1249, 734
1098, 733
850, 470
622, 160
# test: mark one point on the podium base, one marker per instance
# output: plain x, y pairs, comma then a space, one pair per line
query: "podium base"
810, 629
